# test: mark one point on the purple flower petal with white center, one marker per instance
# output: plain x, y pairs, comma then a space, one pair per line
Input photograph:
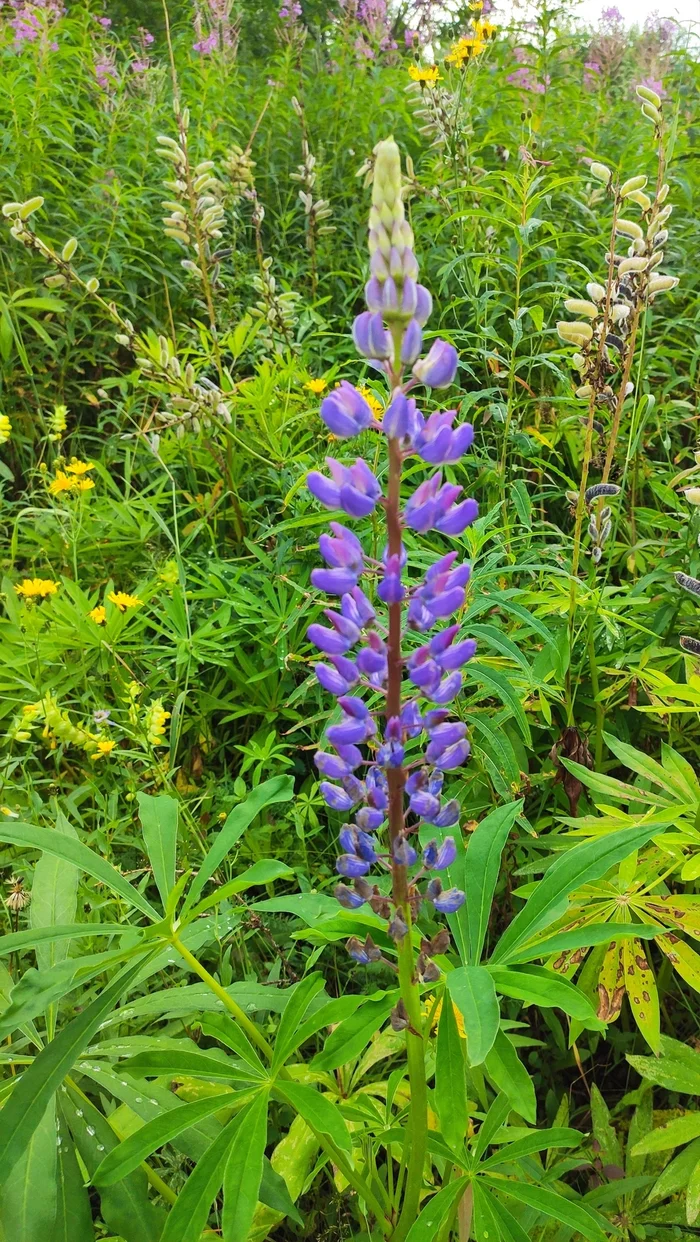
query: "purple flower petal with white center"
449, 901
458, 518
448, 814
335, 797
348, 898
331, 765
333, 581
430, 854
448, 689
331, 679
351, 866
368, 819
345, 411
439, 367
327, 640
454, 657
370, 336
390, 754
454, 756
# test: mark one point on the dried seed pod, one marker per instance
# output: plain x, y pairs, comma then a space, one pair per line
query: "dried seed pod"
601, 489
661, 284
629, 228
633, 264
689, 584
575, 333
595, 291
691, 645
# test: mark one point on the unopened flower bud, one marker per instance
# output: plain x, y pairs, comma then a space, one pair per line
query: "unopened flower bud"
439, 367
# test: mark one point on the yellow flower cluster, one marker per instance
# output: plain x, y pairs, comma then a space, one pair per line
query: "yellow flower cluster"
374, 404
427, 75
123, 600
30, 588
58, 422
5, 428
73, 478
464, 50
154, 721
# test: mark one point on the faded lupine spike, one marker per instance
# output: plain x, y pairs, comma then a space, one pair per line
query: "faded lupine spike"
689, 584
601, 489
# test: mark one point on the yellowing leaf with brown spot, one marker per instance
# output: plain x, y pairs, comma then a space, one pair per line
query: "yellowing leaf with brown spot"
611, 986
642, 992
683, 959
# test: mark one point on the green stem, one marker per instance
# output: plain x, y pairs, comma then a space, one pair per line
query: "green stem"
417, 1136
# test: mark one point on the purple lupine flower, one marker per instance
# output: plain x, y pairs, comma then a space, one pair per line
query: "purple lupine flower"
345, 411
415, 684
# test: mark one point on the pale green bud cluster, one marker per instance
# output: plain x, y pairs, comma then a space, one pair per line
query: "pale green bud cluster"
390, 234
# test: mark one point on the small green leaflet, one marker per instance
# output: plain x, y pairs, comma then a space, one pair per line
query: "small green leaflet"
158, 817
473, 992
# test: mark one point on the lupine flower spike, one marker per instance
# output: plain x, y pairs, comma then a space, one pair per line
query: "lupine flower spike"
388, 765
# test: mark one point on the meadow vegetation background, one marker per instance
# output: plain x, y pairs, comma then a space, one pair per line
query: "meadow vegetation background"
183, 251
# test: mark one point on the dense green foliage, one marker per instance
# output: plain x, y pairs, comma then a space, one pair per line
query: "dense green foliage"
160, 815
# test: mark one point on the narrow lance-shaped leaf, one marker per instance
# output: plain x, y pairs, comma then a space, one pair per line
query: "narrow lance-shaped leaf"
158, 817
473, 992
482, 864
244, 1171
129, 1154
450, 1078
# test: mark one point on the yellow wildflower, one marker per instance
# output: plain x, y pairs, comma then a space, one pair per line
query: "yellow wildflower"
464, 50
427, 75
80, 467
317, 386
374, 404
58, 422
154, 722
485, 29
436, 1017
6, 810
83, 485
98, 614
123, 600
104, 747
36, 586
5, 428
62, 483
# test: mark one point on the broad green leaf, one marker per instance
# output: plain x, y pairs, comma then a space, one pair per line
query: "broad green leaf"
507, 1071
54, 898
28, 1198
677, 1069
262, 872
539, 1140
582, 937
73, 851
538, 986
578, 866
126, 1207
318, 1112
473, 992
673, 1134
493, 1221
73, 1221
278, 789
499, 687
158, 817
17, 942
692, 1196
642, 992
188, 1217
450, 1079
129, 1154
676, 1174
495, 1118
226, 1030
244, 1171
352, 1035
588, 1223
482, 865
29, 1100
427, 1226
187, 1062
518, 489
300, 997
